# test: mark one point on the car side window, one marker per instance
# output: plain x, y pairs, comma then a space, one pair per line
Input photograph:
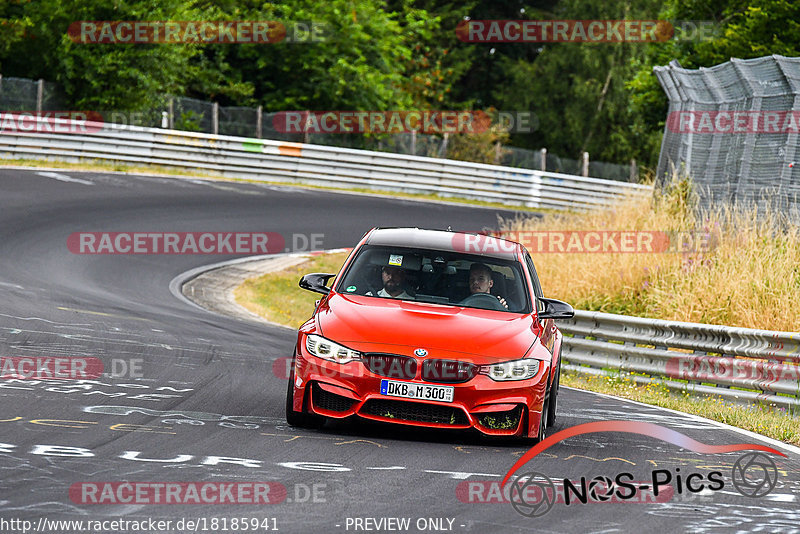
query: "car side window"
537, 288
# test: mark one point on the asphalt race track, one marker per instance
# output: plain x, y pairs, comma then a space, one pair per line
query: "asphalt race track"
207, 406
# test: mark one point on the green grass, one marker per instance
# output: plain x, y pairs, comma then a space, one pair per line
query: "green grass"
278, 298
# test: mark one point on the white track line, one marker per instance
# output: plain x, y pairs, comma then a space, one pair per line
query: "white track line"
751, 435
64, 178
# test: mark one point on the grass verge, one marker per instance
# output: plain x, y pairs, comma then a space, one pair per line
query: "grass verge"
744, 270
277, 297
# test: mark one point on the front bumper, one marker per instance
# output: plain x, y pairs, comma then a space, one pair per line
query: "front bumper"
336, 390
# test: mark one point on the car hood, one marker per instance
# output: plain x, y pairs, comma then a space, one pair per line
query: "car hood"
365, 323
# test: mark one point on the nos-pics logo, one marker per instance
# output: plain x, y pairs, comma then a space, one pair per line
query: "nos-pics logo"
533, 494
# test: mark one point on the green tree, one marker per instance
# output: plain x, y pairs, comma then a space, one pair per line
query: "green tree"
13, 25
439, 61
359, 64
115, 76
578, 90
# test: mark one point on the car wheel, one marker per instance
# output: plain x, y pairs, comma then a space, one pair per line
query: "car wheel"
543, 421
299, 419
551, 410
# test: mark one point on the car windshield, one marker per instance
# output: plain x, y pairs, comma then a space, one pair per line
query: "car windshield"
437, 277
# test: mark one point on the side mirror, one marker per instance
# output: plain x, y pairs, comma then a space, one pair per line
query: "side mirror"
555, 309
316, 282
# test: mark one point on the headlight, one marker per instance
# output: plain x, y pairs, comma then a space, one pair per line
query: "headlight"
328, 350
514, 370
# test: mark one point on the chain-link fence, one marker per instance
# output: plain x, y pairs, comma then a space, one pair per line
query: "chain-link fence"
733, 128
21, 94
190, 114
239, 121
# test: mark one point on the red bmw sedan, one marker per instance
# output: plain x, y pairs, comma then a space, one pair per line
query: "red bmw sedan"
430, 328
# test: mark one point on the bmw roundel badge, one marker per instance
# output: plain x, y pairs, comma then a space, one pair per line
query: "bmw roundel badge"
421, 352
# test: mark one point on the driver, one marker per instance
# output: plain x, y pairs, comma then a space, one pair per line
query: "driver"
480, 281
393, 278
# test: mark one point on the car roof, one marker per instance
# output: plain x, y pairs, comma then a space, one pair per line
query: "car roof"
444, 240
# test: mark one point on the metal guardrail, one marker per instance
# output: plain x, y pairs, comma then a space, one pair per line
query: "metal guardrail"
737, 364
260, 159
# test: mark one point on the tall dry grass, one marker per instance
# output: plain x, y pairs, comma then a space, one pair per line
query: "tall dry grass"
749, 276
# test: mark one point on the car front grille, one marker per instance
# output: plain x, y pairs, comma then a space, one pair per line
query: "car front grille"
450, 371
415, 411
391, 365
330, 401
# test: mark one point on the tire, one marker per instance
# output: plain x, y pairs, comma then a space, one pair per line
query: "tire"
551, 410
543, 420
542, 432
299, 419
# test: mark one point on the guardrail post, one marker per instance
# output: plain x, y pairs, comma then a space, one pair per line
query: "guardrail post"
413, 142
585, 165
634, 178
443, 147
39, 95
171, 113
259, 111
497, 152
215, 119
164, 119
543, 153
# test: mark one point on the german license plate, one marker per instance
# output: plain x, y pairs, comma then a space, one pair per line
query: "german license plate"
410, 390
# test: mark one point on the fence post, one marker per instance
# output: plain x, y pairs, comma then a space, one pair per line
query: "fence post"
497, 152
585, 165
544, 159
413, 142
39, 95
443, 148
215, 119
259, 111
634, 178
171, 113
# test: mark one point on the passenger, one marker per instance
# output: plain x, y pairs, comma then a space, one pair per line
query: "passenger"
393, 278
